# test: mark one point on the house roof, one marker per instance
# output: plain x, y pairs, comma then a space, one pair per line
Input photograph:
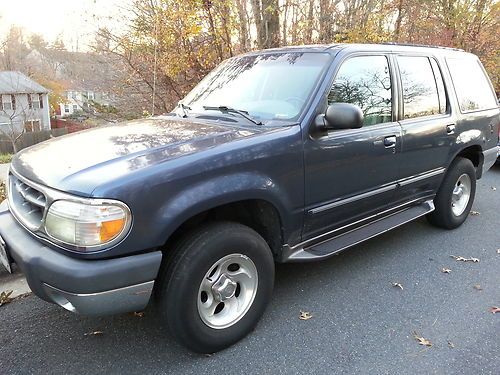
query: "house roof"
18, 83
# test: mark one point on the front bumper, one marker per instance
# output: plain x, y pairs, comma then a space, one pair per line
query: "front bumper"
90, 287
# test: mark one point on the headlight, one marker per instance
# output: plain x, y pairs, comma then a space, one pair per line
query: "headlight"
87, 225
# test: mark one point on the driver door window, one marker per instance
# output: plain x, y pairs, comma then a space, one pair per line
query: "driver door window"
366, 82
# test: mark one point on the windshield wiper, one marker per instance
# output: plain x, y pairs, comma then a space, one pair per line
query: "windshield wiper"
225, 109
185, 109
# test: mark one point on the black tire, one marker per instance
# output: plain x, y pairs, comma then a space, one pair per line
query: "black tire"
179, 284
443, 215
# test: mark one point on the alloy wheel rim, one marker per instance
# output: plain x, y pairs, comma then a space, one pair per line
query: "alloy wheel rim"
227, 291
461, 195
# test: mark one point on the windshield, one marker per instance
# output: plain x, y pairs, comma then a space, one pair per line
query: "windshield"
267, 86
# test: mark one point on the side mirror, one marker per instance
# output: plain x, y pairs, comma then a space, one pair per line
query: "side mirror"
343, 116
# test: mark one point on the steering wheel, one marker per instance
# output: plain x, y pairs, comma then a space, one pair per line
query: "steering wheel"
295, 100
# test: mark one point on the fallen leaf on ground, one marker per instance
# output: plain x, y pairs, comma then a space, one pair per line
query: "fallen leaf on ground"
445, 270
397, 285
305, 315
95, 333
451, 345
138, 314
5, 297
475, 213
462, 259
477, 287
494, 310
421, 340
493, 188
498, 251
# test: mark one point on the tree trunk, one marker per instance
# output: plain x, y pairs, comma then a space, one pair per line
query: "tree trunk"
213, 32
271, 21
242, 16
399, 19
257, 15
310, 22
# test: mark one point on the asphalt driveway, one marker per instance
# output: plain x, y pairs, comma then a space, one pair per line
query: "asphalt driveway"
360, 324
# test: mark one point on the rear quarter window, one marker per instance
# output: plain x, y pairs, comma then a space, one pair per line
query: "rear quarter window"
472, 86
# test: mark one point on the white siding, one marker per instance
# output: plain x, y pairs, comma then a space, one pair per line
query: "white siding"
23, 113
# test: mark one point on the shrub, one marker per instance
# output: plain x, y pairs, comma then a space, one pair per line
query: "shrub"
5, 158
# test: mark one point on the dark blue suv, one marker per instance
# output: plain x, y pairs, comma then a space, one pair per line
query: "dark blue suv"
283, 155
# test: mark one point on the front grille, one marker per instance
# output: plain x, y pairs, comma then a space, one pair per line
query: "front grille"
27, 203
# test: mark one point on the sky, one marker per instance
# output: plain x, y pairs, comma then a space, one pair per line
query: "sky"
74, 20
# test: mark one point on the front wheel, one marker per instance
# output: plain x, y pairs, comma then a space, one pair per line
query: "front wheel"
455, 196
217, 286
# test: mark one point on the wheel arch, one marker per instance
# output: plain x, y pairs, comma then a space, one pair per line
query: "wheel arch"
475, 154
249, 198
259, 214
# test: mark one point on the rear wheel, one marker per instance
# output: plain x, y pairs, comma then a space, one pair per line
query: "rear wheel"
217, 286
454, 198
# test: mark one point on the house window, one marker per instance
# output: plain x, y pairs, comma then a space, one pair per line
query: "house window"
32, 126
90, 95
66, 108
40, 100
68, 95
75, 107
35, 102
8, 102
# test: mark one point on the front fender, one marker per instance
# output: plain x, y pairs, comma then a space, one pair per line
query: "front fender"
221, 190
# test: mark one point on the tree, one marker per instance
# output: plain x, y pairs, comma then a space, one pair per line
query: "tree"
14, 120
167, 46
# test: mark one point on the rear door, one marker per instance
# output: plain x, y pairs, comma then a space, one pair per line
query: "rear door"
427, 124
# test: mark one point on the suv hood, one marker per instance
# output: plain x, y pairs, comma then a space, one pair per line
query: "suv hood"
96, 155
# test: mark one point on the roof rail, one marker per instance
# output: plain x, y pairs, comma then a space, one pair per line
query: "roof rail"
421, 45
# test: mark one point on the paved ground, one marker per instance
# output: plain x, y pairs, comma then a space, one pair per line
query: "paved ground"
361, 324
16, 282
4, 169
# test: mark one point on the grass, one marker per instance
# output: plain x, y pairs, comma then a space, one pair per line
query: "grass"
5, 158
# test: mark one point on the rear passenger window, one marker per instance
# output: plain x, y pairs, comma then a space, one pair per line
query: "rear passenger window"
471, 85
420, 90
366, 82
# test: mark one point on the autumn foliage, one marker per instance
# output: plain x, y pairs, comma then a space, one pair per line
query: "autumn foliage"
183, 40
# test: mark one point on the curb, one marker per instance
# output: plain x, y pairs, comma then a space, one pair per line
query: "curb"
15, 282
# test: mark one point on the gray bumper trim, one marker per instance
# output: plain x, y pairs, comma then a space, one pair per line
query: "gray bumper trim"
79, 281
130, 298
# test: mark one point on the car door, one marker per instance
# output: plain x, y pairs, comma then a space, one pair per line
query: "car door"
351, 173
427, 124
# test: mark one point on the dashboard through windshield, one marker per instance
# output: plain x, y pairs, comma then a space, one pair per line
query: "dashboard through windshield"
267, 87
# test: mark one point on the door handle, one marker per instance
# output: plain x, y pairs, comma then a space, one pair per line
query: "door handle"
390, 141
450, 129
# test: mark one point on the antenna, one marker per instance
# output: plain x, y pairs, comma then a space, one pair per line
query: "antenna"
155, 58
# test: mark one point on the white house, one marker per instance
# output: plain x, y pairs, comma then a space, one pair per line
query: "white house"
23, 104
78, 101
